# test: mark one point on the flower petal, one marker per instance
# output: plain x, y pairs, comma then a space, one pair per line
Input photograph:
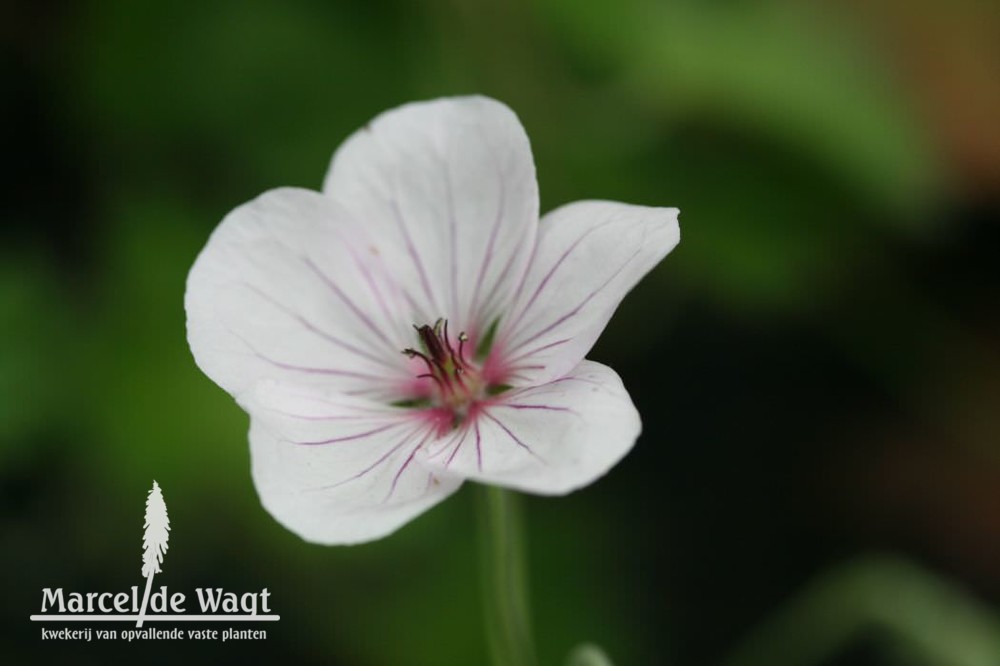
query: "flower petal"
589, 254
548, 439
339, 471
448, 187
288, 287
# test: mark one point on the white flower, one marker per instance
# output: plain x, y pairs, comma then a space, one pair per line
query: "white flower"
416, 325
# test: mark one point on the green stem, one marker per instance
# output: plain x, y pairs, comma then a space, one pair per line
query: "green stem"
505, 578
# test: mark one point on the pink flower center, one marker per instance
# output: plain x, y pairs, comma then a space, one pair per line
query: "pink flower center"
458, 383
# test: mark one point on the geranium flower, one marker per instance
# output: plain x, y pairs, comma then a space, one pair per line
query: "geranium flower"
415, 324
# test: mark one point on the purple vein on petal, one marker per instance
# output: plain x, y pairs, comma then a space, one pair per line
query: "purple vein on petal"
385, 456
372, 393
458, 439
512, 435
555, 267
532, 352
347, 301
575, 379
348, 438
513, 377
458, 446
491, 243
551, 408
315, 417
400, 220
419, 314
446, 444
479, 449
513, 374
300, 368
412, 251
580, 306
317, 371
397, 213
379, 410
516, 295
387, 313
312, 328
501, 279
406, 463
453, 231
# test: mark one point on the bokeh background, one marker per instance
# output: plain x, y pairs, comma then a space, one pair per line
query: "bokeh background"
817, 364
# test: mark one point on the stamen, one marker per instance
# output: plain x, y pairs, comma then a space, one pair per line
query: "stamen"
413, 352
457, 363
437, 380
462, 339
432, 341
458, 383
458, 378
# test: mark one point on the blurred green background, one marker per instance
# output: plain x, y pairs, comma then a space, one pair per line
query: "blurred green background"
817, 364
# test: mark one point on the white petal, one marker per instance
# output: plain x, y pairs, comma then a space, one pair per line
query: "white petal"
289, 286
338, 471
448, 187
549, 439
589, 254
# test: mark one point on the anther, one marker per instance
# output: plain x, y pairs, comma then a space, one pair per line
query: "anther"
432, 341
413, 353
462, 339
457, 381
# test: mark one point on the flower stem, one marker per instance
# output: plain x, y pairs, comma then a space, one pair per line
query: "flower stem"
505, 578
